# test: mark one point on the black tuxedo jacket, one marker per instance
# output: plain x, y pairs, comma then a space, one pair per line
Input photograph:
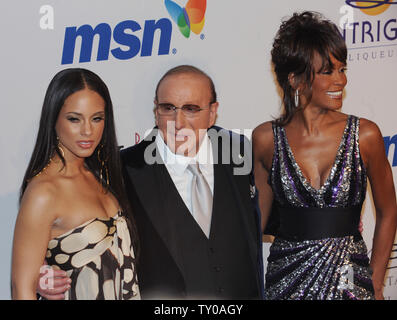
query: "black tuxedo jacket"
161, 270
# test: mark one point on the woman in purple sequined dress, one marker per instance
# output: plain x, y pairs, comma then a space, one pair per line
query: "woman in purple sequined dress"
311, 168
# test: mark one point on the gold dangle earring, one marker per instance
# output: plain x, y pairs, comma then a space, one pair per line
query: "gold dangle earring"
103, 169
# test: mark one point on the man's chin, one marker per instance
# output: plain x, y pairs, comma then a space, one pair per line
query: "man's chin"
184, 149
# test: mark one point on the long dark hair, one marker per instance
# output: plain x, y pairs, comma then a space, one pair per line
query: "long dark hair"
297, 41
64, 84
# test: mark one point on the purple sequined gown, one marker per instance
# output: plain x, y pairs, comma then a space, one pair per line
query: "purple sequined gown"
325, 268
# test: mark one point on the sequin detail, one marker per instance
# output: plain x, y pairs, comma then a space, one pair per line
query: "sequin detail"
325, 269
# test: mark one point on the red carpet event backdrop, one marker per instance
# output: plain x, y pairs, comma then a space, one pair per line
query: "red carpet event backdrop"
131, 43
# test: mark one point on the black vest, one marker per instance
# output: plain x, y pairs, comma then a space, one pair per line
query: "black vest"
212, 268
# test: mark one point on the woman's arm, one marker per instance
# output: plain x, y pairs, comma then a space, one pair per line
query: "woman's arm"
383, 192
31, 236
262, 142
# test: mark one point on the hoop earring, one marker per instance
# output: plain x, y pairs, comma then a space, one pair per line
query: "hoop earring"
296, 98
60, 148
103, 171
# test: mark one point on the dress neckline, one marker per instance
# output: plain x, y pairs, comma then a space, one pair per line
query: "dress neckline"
87, 222
332, 170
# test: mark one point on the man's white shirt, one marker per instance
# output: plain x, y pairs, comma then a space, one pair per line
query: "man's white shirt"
176, 165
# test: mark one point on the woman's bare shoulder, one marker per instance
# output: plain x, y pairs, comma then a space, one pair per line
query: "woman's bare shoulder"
263, 143
369, 132
371, 143
39, 198
263, 132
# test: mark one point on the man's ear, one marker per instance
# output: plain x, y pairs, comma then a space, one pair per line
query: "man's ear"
213, 112
155, 112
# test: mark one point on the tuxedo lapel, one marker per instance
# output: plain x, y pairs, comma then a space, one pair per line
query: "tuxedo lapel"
155, 188
224, 174
146, 184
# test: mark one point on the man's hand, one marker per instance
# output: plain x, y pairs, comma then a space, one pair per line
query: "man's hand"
53, 283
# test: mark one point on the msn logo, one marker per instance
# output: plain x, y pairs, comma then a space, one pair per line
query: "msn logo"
388, 141
124, 34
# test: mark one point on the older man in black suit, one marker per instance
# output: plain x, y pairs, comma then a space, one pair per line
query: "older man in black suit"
190, 188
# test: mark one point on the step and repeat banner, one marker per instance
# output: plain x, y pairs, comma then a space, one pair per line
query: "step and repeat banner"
131, 43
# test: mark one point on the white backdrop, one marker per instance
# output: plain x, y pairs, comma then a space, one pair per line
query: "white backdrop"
233, 47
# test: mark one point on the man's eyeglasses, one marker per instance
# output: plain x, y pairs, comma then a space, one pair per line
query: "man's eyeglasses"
189, 110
